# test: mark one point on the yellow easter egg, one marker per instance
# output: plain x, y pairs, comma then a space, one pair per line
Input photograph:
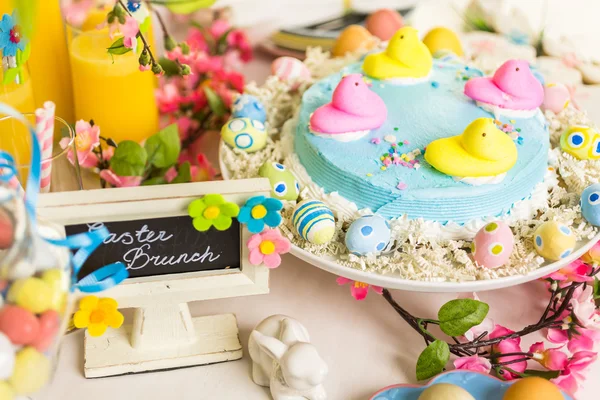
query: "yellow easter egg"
246, 134
6, 391
581, 142
533, 388
445, 391
441, 38
33, 294
55, 278
351, 39
554, 241
31, 373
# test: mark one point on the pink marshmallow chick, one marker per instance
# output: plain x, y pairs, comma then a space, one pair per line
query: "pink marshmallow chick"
512, 87
493, 245
354, 107
556, 97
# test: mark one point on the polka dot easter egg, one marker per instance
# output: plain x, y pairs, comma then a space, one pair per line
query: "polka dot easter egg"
581, 142
284, 185
290, 70
248, 106
368, 234
245, 134
554, 241
314, 221
493, 245
590, 204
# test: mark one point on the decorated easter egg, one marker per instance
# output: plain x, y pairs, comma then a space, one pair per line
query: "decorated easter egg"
284, 185
368, 234
7, 357
442, 38
248, 106
314, 221
553, 240
556, 97
31, 373
6, 391
445, 391
493, 245
19, 324
49, 325
581, 142
290, 70
351, 39
590, 204
245, 134
533, 388
384, 23
33, 294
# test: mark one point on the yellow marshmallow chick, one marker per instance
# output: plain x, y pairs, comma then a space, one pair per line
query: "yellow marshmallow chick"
482, 150
405, 57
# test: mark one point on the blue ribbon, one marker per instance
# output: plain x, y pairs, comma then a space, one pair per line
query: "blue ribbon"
85, 243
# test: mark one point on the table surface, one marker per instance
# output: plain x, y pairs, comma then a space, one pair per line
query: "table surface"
366, 344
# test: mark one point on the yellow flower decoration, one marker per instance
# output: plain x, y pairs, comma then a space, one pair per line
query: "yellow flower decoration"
97, 314
212, 210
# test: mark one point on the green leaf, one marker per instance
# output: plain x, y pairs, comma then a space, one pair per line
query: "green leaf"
433, 360
144, 26
159, 180
118, 48
163, 147
542, 374
129, 159
187, 6
596, 289
458, 316
214, 102
10, 75
170, 67
25, 54
184, 174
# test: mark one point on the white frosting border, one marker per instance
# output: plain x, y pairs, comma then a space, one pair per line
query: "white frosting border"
480, 180
506, 112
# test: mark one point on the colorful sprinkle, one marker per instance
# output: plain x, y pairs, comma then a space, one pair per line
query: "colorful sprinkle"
401, 186
369, 174
396, 129
435, 84
376, 140
390, 138
512, 121
406, 142
383, 168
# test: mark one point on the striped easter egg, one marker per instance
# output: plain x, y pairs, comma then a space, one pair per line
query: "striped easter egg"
290, 70
314, 221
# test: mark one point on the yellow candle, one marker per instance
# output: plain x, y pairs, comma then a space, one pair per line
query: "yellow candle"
111, 90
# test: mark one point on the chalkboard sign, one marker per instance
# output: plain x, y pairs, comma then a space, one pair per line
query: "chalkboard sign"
162, 246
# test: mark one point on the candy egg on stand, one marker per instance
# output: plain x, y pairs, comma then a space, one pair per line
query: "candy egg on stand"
314, 221
493, 245
368, 234
245, 134
284, 185
351, 39
554, 241
248, 106
442, 38
290, 70
590, 204
384, 23
582, 142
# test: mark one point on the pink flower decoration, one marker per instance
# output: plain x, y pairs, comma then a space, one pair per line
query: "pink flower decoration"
87, 138
218, 28
239, 40
76, 11
359, 290
266, 247
500, 330
196, 40
584, 306
552, 359
168, 98
577, 271
120, 181
144, 68
506, 347
474, 363
130, 30
573, 374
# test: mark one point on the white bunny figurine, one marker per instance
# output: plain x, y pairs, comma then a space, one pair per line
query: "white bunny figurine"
284, 359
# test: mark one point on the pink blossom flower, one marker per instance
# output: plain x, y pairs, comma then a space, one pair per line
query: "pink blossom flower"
359, 290
168, 98
487, 325
120, 181
266, 247
581, 339
552, 359
507, 347
584, 307
185, 126
76, 11
171, 174
239, 40
474, 363
144, 68
500, 330
87, 138
130, 30
593, 255
218, 28
196, 40
574, 372
577, 271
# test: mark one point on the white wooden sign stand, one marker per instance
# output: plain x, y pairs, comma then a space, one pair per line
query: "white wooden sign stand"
163, 334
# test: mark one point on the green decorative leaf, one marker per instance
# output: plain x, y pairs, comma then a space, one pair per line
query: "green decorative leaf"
118, 48
170, 67
25, 54
10, 75
129, 159
163, 147
184, 174
144, 26
214, 102
187, 6
458, 316
433, 360
596, 288
159, 180
542, 374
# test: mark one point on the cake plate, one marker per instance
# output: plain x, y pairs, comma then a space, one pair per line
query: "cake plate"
390, 281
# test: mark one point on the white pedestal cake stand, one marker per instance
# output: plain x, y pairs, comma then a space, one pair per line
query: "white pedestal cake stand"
392, 281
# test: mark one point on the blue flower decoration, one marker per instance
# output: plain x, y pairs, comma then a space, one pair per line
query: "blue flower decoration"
133, 6
10, 36
260, 210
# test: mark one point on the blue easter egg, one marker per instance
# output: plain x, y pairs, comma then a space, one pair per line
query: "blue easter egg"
590, 204
368, 234
314, 221
248, 106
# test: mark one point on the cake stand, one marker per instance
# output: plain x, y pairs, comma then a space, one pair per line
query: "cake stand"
392, 281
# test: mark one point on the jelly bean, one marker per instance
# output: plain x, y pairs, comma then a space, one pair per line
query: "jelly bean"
49, 325
31, 293
55, 279
32, 371
7, 357
6, 391
18, 324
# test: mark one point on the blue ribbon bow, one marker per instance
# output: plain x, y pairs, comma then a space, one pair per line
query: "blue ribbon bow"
85, 243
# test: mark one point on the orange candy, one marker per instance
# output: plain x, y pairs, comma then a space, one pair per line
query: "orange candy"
351, 39
384, 23
533, 388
